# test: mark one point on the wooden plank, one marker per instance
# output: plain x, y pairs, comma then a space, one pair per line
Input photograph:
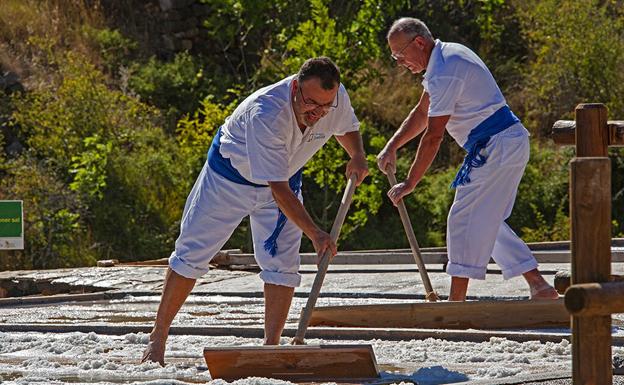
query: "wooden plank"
564, 133
592, 135
563, 280
590, 215
57, 298
392, 257
308, 363
595, 299
344, 334
447, 315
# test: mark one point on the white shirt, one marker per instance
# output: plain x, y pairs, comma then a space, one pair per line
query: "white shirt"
459, 84
263, 141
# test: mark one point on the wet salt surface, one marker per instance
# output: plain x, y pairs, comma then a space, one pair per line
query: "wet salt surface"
217, 310
79, 358
197, 311
101, 359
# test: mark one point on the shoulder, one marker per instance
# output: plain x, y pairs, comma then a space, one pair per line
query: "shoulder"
268, 103
455, 54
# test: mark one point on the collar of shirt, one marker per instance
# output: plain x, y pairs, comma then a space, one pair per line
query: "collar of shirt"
436, 55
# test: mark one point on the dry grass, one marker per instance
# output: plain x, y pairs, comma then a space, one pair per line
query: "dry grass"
33, 32
389, 98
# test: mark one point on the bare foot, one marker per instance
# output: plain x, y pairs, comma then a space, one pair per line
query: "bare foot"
155, 352
544, 291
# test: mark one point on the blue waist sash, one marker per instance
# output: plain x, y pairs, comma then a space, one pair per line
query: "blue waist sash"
478, 139
223, 167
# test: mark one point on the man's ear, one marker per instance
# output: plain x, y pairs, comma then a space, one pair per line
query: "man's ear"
420, 41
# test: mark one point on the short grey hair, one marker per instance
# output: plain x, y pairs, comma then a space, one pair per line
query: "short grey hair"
411, 27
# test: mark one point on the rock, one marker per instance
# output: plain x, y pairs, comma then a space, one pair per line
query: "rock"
167, 5
201, 10
10, 82
14, 149
187, 45
10, 78
169, 43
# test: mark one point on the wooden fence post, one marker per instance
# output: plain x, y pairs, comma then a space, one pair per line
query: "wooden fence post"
590, 212
592, 133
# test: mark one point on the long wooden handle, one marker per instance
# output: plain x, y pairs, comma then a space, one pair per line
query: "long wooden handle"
306, 314
431, 295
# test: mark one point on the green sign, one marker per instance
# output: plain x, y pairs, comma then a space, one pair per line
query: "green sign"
11, 225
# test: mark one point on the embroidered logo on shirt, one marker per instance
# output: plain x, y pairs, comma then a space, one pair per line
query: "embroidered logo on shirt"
315, 136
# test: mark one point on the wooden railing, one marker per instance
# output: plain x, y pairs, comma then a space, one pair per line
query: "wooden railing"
590, 298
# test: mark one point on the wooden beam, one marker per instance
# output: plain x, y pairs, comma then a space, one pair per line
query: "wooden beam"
447, 315
563, 280
327, 333
295, 363
393, 257
595, 299
590, 215
564, 133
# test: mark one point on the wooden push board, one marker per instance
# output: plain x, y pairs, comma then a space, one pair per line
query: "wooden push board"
490, 314
300, 362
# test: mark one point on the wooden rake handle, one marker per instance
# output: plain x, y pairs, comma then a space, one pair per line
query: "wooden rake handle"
431, 295
306, 314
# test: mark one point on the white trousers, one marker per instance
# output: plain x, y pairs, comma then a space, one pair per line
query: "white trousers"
476, 228
213, 210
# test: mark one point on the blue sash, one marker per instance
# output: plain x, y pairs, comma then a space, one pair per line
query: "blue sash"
223, 167
478, 139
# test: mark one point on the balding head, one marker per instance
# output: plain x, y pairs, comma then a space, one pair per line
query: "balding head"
411, 27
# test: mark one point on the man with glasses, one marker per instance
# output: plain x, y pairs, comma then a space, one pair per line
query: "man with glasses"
254, 169
461, 96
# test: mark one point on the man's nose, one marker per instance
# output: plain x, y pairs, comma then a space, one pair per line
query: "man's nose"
320, 110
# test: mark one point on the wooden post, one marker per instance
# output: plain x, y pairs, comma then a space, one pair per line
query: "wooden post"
592, 134
595, 299
590, 214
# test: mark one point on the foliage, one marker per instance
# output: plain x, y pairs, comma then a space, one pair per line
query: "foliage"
115, 134
175, 87
243, 32
54, 228
90, 167
107, 147
114, 48
576, 56
541, 211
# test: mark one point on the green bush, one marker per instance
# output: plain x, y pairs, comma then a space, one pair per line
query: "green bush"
55, 232
576, 50
175, 87
108, 149
114, 48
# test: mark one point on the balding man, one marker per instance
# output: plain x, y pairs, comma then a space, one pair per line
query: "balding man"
461, 96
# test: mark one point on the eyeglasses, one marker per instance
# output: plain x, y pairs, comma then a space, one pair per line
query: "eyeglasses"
399, 55
312, 103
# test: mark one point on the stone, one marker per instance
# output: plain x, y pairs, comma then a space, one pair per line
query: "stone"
167, 5
14, 149
169, 43
201, 10
10, 78
187, 45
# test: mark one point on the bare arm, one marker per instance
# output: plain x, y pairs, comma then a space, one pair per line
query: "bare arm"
427, 151
296, 212
352, 143
412, 126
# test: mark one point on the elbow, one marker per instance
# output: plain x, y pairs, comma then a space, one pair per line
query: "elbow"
434, 138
